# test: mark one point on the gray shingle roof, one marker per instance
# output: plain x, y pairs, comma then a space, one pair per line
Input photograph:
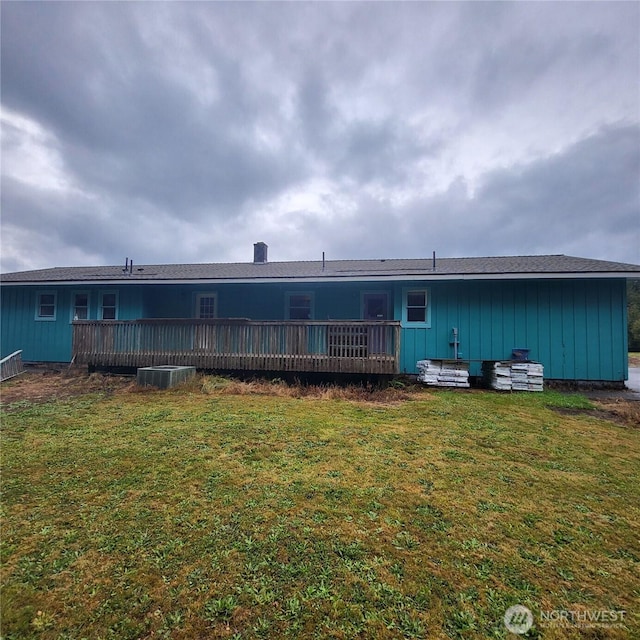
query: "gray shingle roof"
422, 268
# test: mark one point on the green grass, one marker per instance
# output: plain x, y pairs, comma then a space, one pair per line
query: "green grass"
204, 512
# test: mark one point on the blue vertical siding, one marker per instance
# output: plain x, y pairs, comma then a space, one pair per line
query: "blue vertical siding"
38, 339
50, 340
576, 328
260, 301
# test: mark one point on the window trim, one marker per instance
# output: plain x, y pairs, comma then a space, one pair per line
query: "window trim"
39, 305
73, 305
117, 305
287, 304
426, 323
205, 294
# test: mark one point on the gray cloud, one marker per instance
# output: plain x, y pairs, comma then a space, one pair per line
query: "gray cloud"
551, 205
187, 131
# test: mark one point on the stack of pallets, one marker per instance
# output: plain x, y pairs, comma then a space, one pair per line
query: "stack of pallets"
513, 375
443, 373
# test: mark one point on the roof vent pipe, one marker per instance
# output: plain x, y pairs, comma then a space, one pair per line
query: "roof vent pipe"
260, 253
434, 260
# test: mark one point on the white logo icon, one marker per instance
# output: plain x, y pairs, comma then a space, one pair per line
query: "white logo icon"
518, 619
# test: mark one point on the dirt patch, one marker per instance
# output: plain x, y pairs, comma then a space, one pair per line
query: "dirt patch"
46, 386
621, 412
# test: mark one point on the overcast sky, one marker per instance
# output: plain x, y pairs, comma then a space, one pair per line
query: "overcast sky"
185, 132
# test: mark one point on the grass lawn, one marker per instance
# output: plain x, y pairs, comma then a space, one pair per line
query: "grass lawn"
232, 510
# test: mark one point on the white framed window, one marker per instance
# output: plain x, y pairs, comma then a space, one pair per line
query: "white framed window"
415, 310
79, 305
299, 305
206, 305
46, 305
109, 305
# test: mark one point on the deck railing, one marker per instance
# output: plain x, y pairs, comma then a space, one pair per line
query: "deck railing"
338, 346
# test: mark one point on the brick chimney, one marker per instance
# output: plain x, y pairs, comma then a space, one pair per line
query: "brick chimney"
260, 253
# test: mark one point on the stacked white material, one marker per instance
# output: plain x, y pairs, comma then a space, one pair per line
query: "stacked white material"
428, 371
519, 376
443, 373
535, 376
514, 375
499, 376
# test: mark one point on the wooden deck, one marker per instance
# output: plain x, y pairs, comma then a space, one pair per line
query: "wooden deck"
351, 346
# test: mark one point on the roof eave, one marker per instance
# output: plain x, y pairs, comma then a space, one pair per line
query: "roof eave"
430, 276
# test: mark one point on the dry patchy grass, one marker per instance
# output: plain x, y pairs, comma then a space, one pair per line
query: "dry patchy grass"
46, 386
258, 510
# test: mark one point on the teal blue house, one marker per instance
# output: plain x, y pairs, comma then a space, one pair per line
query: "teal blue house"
355, 316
